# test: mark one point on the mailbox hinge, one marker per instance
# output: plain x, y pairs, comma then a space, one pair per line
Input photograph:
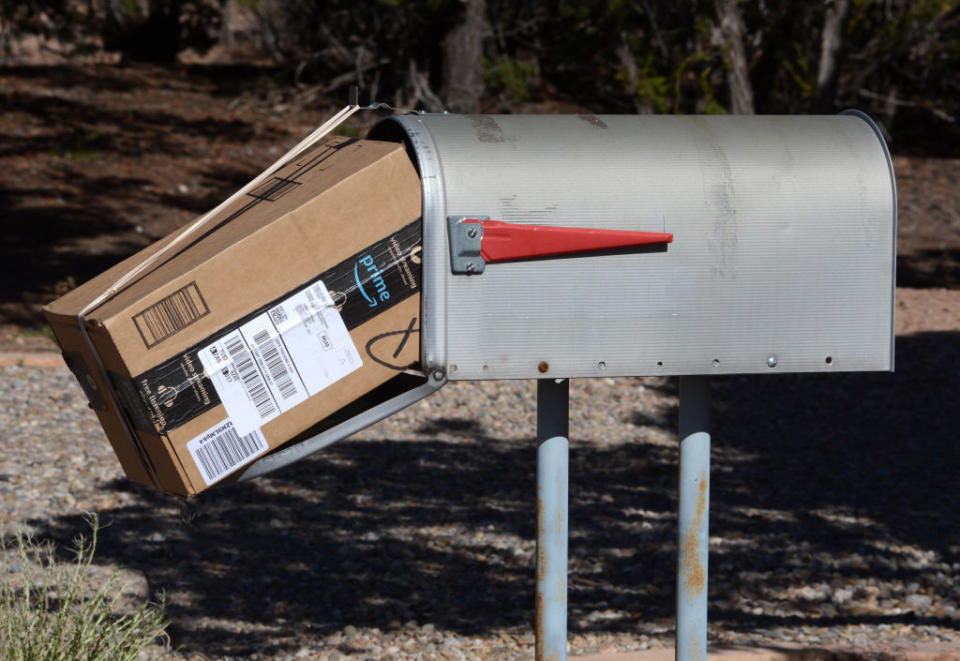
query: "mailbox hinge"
477, 240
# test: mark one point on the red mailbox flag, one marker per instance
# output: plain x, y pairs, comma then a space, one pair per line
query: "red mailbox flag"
504, 241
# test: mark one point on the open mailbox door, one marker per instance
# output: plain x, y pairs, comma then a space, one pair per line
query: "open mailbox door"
578, 245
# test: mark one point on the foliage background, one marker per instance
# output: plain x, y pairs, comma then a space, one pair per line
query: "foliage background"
896, 59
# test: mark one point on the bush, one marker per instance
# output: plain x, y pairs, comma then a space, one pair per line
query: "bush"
51, 611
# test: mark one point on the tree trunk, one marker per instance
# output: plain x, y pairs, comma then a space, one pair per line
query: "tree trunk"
631, 74
732, 30
831, 52
144, 31
463, 59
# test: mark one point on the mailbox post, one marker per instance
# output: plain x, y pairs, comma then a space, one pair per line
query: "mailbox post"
692, 518
557, 247
552, 517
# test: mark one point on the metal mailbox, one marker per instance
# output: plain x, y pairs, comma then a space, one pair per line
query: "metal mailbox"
760, 245
780, 255
577, 246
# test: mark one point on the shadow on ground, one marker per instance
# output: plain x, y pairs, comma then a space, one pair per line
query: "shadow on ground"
93, 163
929, 268
817, 479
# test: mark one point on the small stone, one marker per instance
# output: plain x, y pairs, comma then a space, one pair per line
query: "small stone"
842, 596
919, 601
349, 630
807, 593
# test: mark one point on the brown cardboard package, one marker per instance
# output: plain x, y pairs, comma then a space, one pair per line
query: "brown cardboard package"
260, 324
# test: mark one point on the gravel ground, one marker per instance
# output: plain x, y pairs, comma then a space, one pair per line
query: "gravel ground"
833, 516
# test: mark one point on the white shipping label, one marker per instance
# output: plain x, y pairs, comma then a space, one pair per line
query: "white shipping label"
221, 450
314, 333
280, 358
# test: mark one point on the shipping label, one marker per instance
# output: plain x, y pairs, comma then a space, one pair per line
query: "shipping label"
278, 359
222, 449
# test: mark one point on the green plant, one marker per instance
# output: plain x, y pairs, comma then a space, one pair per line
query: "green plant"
36, 331
801, 73
80, 146
650, 87
51, 611
515, 77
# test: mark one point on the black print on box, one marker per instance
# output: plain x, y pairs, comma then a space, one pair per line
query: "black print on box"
386, 347
170, 315
273, 189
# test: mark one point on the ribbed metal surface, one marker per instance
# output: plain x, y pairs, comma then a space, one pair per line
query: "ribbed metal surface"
783, 252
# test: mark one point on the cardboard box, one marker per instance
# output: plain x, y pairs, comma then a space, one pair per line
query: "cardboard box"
259, 325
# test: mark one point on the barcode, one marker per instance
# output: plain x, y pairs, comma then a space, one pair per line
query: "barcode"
250, 376
278, 314
170, 315
270, 352
221, 450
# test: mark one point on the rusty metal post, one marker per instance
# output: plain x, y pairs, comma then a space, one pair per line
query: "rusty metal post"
553, 399
692, 519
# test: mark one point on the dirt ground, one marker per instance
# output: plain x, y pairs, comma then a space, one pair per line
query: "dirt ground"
99, 161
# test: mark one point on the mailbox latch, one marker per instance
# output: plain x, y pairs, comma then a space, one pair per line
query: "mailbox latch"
476, 241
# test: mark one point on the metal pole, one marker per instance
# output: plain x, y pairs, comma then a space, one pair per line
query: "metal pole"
553, 399
692, 519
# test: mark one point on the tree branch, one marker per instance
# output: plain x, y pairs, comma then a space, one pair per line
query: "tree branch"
831, 53
738, 73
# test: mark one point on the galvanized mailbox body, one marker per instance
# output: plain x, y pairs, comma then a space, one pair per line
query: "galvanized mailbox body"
782, 258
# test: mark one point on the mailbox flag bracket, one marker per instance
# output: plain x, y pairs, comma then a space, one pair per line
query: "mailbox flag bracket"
476, 241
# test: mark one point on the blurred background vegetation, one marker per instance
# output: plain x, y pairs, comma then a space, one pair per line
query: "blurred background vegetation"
897, 59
